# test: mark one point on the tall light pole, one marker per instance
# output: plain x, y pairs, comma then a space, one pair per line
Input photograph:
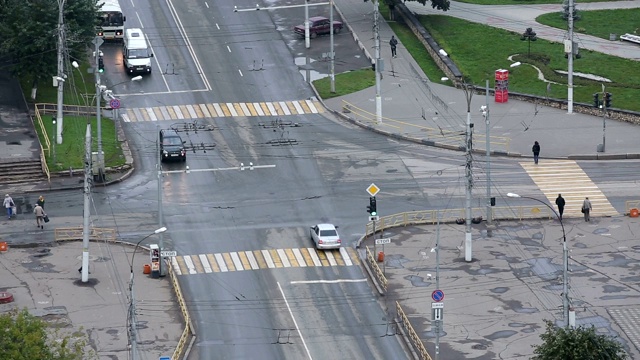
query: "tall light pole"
570, 62
485, 112
332, 73
468, 253
307, 35
97, 42
60, 70
377, 63
133, 337
565, 260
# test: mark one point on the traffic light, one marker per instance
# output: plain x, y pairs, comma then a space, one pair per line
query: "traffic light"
100, 65
371, 209
607, 100
596, 99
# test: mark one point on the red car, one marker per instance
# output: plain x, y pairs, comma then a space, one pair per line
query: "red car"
318, 25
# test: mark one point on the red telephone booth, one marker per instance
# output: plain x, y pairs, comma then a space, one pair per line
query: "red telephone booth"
502, 86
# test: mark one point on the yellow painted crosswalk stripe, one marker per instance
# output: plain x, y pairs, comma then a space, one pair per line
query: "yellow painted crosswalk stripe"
263, 259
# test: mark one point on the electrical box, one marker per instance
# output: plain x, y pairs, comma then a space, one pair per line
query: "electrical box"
95, 164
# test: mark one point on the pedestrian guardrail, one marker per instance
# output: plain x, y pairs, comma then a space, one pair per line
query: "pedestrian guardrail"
188, 331
77, 233
373, 265
412, 334
447, 137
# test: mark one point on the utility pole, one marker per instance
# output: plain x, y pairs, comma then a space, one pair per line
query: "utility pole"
60, 70
160, 215
98, 41
468, 91
378, 63
307, 40
485, 112
332, 55
438, 322
87, 205
570, 59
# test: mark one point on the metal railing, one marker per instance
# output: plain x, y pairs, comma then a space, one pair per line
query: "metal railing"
430, 217
373, 264
76, 233
413, 335
452, 138
188, 331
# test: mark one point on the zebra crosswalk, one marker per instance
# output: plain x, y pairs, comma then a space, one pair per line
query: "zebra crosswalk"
262, 259
566, 177
213, 110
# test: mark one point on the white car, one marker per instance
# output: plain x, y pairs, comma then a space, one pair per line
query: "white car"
325, 236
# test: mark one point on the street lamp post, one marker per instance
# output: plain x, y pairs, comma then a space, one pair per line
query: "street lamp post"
132, 305
565, 259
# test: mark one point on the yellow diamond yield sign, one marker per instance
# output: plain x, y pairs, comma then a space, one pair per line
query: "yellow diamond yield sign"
373, 189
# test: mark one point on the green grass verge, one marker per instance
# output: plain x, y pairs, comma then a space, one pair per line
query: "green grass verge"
70, 154
600, 23
346, 83
79, 89
479, 50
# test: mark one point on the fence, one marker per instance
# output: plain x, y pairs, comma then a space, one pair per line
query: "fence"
188, 329
448, 137
413, 336
76, 233
373, 264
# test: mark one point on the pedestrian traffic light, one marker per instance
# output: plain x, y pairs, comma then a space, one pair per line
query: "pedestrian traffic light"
596, 99
371, 209
607, 100
100, 65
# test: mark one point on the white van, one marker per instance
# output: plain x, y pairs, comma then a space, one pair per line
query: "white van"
136, 52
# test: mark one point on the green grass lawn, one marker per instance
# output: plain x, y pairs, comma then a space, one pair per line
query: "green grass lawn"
479, 50
598, 23
346, 83
70, 154
519, 2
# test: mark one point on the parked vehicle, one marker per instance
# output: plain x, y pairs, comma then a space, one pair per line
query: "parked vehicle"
325, 236
172, 146
318, 25
136, 52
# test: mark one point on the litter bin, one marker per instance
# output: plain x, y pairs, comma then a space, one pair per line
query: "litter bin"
613, 37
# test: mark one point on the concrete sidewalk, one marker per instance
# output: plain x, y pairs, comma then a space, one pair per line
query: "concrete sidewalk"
45, 280
416, 108
495, 305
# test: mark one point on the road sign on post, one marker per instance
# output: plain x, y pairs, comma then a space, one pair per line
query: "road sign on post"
383, 241
114, 103
373, 189
437, 311
437, 295
166, 253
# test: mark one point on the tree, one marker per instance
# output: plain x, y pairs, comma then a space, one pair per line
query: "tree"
30, 34
576, 344
25, 337
436, 4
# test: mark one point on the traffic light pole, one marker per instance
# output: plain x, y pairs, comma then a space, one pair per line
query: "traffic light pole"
98, 41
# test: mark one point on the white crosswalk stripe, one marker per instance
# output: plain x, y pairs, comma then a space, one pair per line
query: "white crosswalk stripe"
204, 111
262, 259
566, 177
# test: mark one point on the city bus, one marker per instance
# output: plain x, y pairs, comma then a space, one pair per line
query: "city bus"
111, 20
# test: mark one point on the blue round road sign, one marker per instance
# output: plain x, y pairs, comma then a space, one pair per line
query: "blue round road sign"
437, 295
114, 103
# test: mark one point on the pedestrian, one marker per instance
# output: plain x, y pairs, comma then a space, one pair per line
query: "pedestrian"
586, 209
40, 201
393, 42
560, 203
8, 204
39, 211
536, 151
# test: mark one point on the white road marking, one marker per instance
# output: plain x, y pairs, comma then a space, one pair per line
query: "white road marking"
232, 109
258, 109
228, 48
295, 323
151, 114
221, 263
207, 5
299, 258
298, 107
190, 266
218, 26
236, 261
284, 107
331, 258
328, 281
176, 267
268, 259
205, 263
314, 257
311, 106
345, 256
252, 260
240, 71
283, 258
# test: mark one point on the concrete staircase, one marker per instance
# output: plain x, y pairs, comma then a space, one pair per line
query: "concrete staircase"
21, 171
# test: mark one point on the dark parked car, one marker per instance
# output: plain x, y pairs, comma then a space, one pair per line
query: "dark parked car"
172, 146
318, 25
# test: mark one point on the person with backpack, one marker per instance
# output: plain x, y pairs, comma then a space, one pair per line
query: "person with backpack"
8, 204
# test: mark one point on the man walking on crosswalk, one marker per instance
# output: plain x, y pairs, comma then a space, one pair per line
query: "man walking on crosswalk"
586, 209
560, 203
